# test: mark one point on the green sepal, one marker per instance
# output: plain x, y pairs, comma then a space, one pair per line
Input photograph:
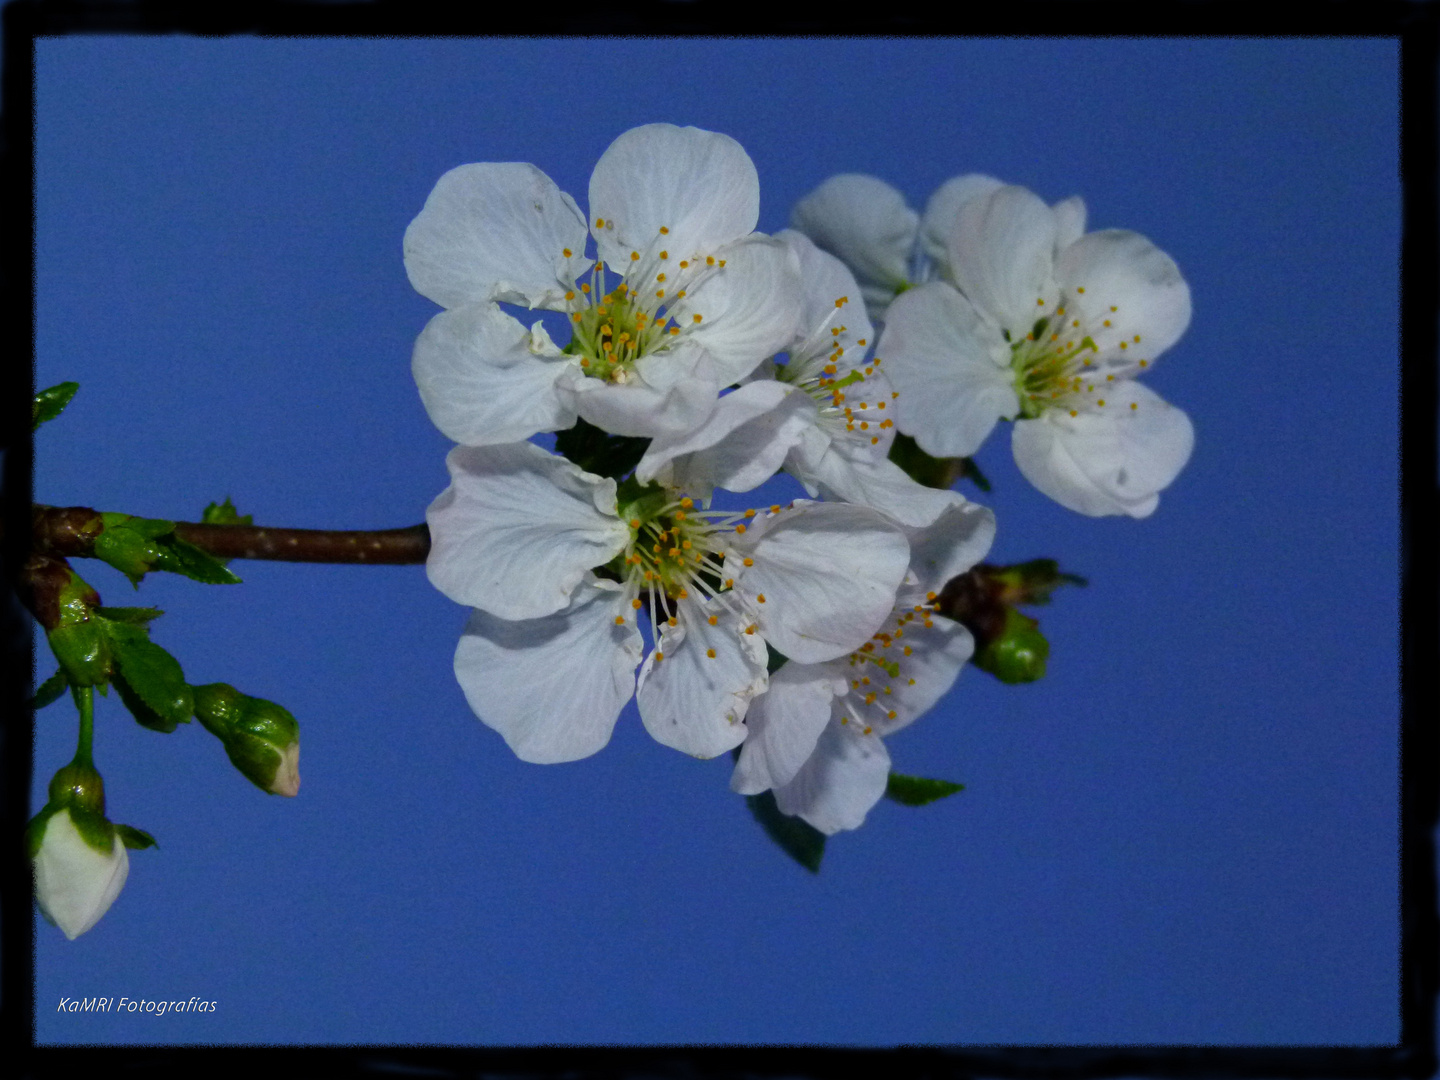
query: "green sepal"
51, 402
83, 650
1032, 582
135, 839
932, 471
225, 514
596, 451
774, 659
35, 830
254, 732
180, 557
150, 681
797, 838
139, 616
49, 691
918, 790
94, 829
1018, 655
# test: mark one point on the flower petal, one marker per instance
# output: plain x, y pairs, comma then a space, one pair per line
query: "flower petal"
496, 231
830, 299
950, 544
696, 702
518, 529
845, 776
748, 309
636, 408
1124, 271
481, 380
1069, 222
863, 222
552, 686
877, 483
940, 356
75, 884
700, 185
739, 447
784, 723
942, 214
1113, 460
828, 571
1002, 254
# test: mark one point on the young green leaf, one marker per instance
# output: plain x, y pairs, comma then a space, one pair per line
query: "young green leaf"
151, 682
797, 838
918, 790
51, 402
48, 691
179, 557
140, 616
225, 514
134, 838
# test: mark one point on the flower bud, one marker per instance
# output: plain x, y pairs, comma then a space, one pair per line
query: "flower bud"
1018, 653
261, 738
79, 857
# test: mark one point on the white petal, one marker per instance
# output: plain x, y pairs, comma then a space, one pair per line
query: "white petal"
1002, 256
75, 884
942, 213
481, 380
879, 484
749, 308
843, 779
940, 356
824, 281
739, 447
924, 675
495, 231
784, 724
696, 702
1069, 222
863, 222
518, 528
636, 408
553, 686
700, 185
1113, 460
828, 572
950, 545
1125, 271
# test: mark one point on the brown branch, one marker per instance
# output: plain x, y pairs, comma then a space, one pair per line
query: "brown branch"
70, 532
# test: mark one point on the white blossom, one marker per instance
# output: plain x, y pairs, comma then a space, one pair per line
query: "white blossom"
1047, 325
559, 571
702, 298
815, 734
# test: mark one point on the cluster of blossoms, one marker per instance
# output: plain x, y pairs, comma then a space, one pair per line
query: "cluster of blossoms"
705, 356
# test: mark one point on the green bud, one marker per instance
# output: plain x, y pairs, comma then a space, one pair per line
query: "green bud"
260, 737
78, 785
1018, 653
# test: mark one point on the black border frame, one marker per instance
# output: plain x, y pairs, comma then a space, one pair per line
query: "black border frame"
1416, 28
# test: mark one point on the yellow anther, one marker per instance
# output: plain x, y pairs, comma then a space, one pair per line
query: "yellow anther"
1114, 308
908, 650
1100, 402
865, 681
684, 263
659, 656
635, 603
660, 294
874, 439
1074, 413
740, 528
890, 715
575, 317
570, 295
750, 629
696, 316
1081, 289
1144, 363
870, 698
664, 254
685, 544
729, 583
659, 277
680, 295
749, 513
929, 596
634, 256
1133, 405
585, 287
664, 230
864, 425
619, 620
760, 597
1124, 345
912, 681
749, 561
714, 619
775, 509
671, 620
1040, 300
841, 301
599, 222
710, 653
709, 260
674, 330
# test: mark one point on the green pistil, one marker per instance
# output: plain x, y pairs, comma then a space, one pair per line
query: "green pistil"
1043, 370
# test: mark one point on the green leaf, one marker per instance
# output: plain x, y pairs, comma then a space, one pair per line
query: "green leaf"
51, 403
140, 616
49, 691
180, 557
135, 839
918, 790
150, 681
225, 514
797, 838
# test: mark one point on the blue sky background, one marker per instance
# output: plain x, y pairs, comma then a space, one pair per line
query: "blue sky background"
1187, 832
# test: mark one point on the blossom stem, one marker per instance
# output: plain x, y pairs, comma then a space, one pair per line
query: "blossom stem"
85, 703
69, 532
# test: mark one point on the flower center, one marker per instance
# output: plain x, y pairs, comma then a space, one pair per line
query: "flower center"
1058, 364
646, 313
815, 366
881, 664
